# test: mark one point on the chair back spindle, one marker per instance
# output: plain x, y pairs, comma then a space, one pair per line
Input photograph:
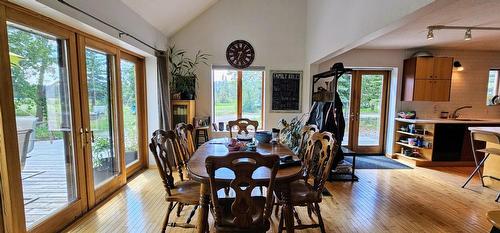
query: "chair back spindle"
185, 135
306, 133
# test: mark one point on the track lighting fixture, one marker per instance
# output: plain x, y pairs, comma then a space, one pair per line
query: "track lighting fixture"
468, 30
430, 34
468, 34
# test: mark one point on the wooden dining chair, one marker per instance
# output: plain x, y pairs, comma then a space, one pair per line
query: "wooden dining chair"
180, 194
306, 133
242, 125
185, 134
307, 192
248, 210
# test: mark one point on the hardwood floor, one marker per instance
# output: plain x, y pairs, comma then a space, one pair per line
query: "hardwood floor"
408, 200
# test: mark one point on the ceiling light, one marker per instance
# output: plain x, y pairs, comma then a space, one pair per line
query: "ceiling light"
430, 34
457, 66
468, 34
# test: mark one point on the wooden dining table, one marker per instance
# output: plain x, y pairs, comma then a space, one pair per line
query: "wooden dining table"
217, 147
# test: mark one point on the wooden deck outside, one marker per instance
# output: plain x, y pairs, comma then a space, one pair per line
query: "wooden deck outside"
45, 186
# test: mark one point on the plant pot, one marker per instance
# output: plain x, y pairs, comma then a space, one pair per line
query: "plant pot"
187, 96
176, 96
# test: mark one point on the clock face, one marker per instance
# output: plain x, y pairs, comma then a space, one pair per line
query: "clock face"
240, 54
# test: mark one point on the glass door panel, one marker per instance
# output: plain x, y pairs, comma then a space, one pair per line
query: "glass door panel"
251, 95
45, 133
129, 108
370, 112
344, 88
100, 73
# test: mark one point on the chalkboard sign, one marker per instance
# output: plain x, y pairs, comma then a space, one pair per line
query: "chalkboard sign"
287, 91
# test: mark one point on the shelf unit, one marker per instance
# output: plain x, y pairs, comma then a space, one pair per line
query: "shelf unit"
425, 152
182, 111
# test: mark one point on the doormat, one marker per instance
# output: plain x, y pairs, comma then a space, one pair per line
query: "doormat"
376, 162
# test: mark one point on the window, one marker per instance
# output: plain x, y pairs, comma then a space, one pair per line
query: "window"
129, 108
493, 88
237, 94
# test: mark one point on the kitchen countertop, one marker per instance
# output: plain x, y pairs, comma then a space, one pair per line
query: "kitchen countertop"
495, 130
450, 121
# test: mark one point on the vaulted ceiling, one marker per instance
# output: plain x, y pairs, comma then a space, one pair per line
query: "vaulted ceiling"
168, 16
481, 13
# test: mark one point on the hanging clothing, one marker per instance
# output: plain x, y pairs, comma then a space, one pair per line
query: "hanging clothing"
328, 116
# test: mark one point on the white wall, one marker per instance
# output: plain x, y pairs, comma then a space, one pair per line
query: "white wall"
275, 28
333, 25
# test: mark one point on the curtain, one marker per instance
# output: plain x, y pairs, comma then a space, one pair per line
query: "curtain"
163, 90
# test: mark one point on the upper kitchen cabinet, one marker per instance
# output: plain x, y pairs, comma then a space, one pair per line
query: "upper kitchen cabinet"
427, 79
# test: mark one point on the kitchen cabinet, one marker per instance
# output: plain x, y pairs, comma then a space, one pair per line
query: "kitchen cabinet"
432, 90
427, 79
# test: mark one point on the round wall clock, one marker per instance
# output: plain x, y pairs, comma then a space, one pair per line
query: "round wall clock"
240, 54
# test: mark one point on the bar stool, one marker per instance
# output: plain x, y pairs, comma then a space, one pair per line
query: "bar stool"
494, 218
487, 137
201, 133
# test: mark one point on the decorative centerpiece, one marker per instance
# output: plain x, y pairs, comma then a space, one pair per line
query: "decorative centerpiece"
290, 132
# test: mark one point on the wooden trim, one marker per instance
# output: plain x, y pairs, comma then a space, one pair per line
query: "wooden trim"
261, 126
10, 167
240, 94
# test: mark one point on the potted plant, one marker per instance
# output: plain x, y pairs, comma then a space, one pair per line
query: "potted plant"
183, 72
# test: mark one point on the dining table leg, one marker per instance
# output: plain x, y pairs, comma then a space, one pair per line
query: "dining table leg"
203, 212
288, 209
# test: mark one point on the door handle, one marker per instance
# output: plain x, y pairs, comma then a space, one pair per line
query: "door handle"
87, 132
82, 137
92, 136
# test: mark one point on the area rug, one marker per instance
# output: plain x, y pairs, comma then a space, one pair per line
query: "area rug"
376, 162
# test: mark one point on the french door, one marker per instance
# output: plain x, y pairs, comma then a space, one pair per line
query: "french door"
72, 121
363, 94
41, 102
98, 81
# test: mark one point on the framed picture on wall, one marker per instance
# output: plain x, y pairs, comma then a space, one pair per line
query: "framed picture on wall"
286, 92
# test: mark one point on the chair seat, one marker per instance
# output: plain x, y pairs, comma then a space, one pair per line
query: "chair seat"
302, 193
493, 151
494, 218
187, 192
227, 224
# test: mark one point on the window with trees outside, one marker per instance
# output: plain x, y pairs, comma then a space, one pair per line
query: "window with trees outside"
237, 94
493, 87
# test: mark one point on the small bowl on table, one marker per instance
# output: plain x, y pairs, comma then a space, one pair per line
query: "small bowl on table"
263, 136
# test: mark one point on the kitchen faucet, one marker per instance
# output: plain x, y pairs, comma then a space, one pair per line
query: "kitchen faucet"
454, 115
